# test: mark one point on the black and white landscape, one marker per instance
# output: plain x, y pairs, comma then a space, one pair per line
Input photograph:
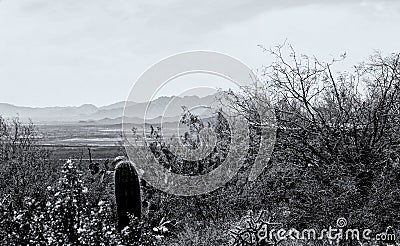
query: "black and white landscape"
307, 153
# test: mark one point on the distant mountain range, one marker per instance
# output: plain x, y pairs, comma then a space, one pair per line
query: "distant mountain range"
167, 108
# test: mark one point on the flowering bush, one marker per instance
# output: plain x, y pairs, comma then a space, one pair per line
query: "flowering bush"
65, 217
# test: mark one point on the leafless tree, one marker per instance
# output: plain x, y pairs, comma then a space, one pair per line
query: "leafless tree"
337, 146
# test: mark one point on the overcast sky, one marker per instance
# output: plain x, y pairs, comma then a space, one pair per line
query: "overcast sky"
71, 52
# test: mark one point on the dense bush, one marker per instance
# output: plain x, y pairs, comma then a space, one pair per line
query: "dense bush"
25, 169
336, 154
337, 149
63, 216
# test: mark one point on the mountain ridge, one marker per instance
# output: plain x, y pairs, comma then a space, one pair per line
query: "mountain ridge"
112, 113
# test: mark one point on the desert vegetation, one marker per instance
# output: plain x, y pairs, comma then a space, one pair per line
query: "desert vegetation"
336, 156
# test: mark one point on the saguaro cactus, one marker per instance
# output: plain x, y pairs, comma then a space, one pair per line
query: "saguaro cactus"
127, 193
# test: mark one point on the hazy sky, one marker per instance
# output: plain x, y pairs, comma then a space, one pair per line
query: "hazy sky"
70, 52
